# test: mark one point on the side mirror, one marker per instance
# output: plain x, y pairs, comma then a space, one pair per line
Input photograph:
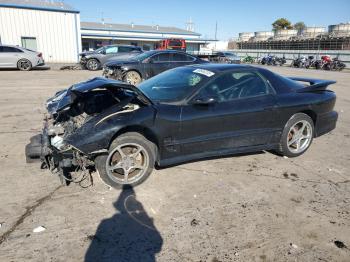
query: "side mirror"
204, 101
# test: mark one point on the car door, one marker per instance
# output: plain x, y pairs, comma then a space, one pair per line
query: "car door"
9, 56
239, 111
157, 64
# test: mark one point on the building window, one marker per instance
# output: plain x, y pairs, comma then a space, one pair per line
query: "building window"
29, 43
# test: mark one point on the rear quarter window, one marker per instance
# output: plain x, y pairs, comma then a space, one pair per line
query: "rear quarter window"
281, 84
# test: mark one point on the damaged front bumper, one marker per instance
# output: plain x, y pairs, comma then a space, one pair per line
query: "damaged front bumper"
41, 149
61, 162
113, 73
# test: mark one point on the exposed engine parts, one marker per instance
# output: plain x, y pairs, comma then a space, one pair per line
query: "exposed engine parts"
72, 113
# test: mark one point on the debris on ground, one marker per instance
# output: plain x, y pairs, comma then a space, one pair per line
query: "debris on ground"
340, 244
194, 222
294, 175
285, 174
285, 157
293, 245
71, 67
39, 229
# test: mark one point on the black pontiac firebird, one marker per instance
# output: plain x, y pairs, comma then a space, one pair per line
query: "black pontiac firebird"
183, 114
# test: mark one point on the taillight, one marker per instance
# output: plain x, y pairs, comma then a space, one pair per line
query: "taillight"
40, 55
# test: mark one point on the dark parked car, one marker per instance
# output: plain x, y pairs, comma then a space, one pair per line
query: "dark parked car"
94, 60
183, 114
147, 65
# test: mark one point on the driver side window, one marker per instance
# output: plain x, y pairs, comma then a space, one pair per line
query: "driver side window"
236, 85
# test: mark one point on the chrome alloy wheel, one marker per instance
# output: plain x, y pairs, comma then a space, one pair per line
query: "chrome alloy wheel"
299, 136
24, 65
133, 78
92, 64
127, 163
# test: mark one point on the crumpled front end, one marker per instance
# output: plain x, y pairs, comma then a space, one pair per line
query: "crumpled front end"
116, 73
78, 126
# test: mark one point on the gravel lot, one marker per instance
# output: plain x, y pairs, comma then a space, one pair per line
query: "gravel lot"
257, 207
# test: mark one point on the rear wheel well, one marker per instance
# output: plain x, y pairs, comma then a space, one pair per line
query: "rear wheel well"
147, 133
311, 114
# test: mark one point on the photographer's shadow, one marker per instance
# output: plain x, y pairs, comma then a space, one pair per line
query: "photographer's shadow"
129, 235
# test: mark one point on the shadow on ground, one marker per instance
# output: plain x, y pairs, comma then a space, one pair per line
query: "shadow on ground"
38, 68
129, 235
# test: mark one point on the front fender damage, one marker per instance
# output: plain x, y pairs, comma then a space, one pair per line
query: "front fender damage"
78, 128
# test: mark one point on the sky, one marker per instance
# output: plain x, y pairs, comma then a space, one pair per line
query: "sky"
232, 16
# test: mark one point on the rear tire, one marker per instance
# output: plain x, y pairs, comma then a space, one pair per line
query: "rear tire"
130, 161
93, 64
297, 135
24, 65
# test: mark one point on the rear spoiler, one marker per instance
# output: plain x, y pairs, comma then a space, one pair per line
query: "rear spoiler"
315, 84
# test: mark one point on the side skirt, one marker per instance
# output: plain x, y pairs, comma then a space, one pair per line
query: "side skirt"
203, 155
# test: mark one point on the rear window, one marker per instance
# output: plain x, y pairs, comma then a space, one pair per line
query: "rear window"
175, 43
281, 84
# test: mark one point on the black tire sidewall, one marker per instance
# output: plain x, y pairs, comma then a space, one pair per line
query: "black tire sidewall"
90, 60
284, 150
130, 137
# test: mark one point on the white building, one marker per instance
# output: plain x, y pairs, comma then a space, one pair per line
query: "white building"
98, 34
52, 28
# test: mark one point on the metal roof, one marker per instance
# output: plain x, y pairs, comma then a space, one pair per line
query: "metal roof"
144, 38
135, 28
39, 5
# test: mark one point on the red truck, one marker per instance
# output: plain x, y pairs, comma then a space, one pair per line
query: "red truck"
175, 44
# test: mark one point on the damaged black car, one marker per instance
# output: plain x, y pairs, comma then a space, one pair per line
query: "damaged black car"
184, 114
148, 64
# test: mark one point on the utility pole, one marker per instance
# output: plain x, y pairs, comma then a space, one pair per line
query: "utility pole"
216, 32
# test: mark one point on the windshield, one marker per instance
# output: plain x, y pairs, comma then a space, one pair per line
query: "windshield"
175, 84
99, 50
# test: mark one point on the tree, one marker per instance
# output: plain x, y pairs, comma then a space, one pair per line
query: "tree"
300, 26
282, 23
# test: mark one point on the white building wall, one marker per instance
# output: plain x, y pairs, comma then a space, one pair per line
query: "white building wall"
57, 33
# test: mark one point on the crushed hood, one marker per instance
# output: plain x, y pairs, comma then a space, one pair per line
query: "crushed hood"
120, 62
64, 98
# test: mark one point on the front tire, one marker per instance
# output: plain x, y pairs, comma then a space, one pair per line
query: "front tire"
132, 77
297, 135
24, 65
93, 65
129, 162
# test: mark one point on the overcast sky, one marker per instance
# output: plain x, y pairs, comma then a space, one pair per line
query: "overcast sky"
232, 16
